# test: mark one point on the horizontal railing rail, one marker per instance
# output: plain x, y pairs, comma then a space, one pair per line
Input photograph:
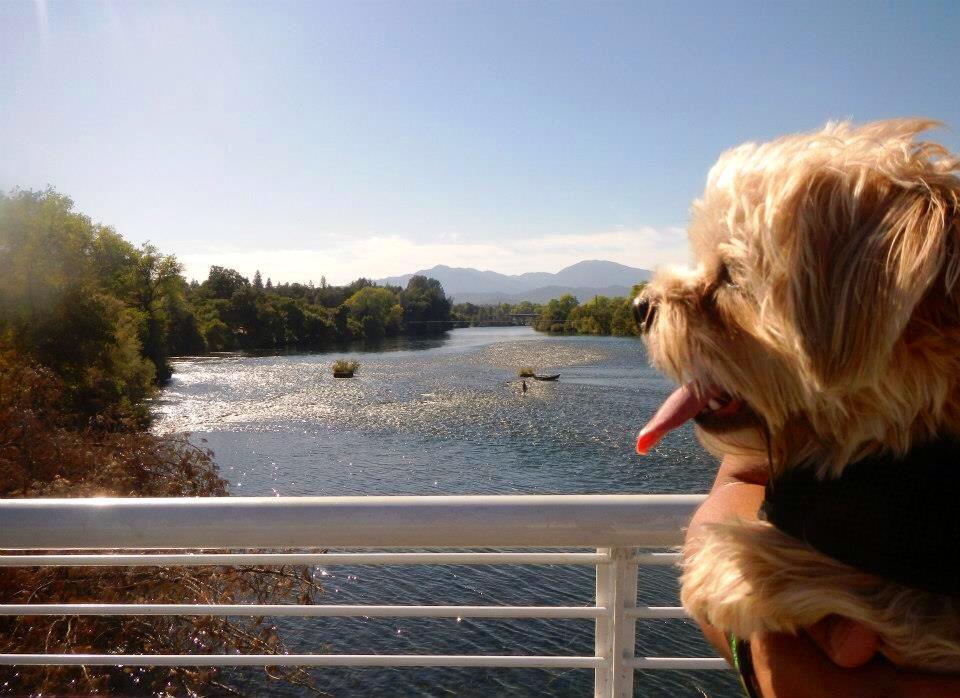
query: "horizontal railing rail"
127, 532
346, 522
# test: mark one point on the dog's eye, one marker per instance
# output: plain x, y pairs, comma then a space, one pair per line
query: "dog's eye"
724, 278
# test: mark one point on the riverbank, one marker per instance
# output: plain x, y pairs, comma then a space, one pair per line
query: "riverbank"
601, 316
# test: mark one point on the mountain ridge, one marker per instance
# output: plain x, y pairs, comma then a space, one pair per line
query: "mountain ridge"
587, 278
543, 294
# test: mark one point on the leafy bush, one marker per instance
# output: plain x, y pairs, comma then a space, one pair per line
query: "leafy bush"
44, 454
344, 366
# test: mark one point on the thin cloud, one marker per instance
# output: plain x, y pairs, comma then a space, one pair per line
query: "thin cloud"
377, 256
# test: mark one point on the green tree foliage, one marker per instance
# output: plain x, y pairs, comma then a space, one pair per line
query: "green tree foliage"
68, 285
156, 288
377, 311
86, 324
148, 282
502, 313
622, 323
592, 317
423, 300
553, 317
231, 314
70, 299
600, 315
223, 283
186, 334
526, 308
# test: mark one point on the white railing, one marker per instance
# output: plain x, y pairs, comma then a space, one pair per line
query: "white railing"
617, 526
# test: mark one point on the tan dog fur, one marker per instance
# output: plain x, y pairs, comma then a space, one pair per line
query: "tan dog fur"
826, 295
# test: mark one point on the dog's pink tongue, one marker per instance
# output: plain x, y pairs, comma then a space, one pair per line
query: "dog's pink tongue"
682, 406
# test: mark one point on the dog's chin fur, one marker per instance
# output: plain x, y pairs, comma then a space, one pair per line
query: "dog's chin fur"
826, 296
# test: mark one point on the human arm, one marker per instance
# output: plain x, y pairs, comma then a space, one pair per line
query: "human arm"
835, 657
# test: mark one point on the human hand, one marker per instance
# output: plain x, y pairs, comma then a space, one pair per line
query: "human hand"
837, 658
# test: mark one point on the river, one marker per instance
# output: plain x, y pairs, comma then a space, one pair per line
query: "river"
448, 416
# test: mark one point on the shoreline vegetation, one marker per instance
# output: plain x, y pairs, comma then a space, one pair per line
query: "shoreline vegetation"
601, 315
85, 328
88, 323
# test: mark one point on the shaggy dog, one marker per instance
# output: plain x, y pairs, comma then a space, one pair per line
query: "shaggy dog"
820, 326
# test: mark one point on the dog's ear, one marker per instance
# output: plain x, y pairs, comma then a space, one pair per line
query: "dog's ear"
865, 250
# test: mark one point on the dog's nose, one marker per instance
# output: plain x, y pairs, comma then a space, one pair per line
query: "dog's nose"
643, 312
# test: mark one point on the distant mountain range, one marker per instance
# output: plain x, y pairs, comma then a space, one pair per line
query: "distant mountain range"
583, 279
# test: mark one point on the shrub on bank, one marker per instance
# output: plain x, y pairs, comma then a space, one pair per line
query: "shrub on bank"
45, 453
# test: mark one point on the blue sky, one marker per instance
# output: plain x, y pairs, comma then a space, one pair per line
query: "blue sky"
374, 138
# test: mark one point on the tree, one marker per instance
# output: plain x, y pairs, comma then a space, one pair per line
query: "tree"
64, 307
622, 324
378, 303
184, 333
318, 328
223, 283
593, 317
157, 285
218, 336
525, 308
256, 323
257, 280
424, 300
294, 320
600, 315
372, 328
81, 310
341, 321
555, 314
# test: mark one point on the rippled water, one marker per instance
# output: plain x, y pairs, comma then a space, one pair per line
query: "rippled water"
447, 416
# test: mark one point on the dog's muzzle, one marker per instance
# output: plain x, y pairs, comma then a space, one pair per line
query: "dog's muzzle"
644, 312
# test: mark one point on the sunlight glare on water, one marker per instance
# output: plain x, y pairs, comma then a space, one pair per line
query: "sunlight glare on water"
448, 416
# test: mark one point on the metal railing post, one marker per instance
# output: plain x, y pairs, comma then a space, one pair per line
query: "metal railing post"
615, 633
603, 631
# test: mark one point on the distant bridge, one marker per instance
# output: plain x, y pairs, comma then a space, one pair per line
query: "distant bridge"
506, 320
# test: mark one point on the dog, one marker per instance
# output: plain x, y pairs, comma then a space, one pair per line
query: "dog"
819, 328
